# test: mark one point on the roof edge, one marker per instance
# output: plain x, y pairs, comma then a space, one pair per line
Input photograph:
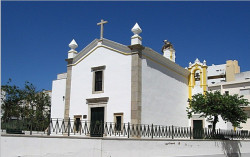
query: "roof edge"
162, 60
103, 42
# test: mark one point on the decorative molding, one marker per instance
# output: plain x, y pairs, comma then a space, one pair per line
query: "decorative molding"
198, 63
77, 116
85, 50
118, 114
99, 68
136, 48
116, 45
86, 55
102, 100
69, 61
156, 57
95, 44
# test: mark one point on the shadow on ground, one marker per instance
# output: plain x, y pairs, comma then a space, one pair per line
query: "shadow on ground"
231, 148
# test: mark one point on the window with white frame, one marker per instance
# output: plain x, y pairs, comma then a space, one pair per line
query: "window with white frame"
98, 79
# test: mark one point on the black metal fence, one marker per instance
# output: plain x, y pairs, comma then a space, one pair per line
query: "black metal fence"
127, 130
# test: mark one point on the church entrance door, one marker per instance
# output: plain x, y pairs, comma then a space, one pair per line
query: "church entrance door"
198, 131
97, 122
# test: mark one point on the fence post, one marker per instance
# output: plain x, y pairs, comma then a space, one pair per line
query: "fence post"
232, 134
152, 131
190, 132
48, 133
31, 127
69, 127
128, 129
172, 132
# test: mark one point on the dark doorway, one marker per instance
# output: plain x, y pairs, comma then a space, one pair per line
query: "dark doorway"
97, 122
77, 124
198, 131
118, 123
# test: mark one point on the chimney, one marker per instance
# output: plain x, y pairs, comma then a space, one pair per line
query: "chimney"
168, 51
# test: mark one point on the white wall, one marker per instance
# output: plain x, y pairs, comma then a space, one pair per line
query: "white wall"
164, 95
243, 76
246, 126
57, 101
117, 83
77, 147
216, 70
197, 89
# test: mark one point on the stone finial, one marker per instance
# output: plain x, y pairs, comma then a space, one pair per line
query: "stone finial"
190, 64
136, 29
197, 60
136, 39
73, 45
204, 62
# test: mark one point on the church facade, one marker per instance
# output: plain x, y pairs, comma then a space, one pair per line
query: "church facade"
121, 83
111, 82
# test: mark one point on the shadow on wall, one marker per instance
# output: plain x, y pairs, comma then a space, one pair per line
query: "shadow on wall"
231, 148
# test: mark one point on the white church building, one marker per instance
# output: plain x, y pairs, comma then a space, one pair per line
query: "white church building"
111, 82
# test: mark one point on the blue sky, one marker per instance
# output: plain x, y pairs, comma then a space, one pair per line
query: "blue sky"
35, 35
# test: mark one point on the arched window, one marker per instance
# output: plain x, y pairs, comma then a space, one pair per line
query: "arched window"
197, 77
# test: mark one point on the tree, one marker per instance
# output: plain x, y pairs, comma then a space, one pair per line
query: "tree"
213, 104
11, 96
27, 104
39, 105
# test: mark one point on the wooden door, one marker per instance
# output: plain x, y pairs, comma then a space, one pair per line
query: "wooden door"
97, 122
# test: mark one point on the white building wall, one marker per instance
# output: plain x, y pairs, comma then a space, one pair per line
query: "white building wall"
197, 89
117, 84
243, 76
216, 70
246, 126
57, 100
164, 95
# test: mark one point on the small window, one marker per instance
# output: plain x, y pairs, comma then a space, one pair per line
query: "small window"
77, 123
118, 121
84, 116
98, 73
98, 80
227, 92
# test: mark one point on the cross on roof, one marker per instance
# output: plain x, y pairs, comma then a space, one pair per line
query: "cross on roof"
101, 23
